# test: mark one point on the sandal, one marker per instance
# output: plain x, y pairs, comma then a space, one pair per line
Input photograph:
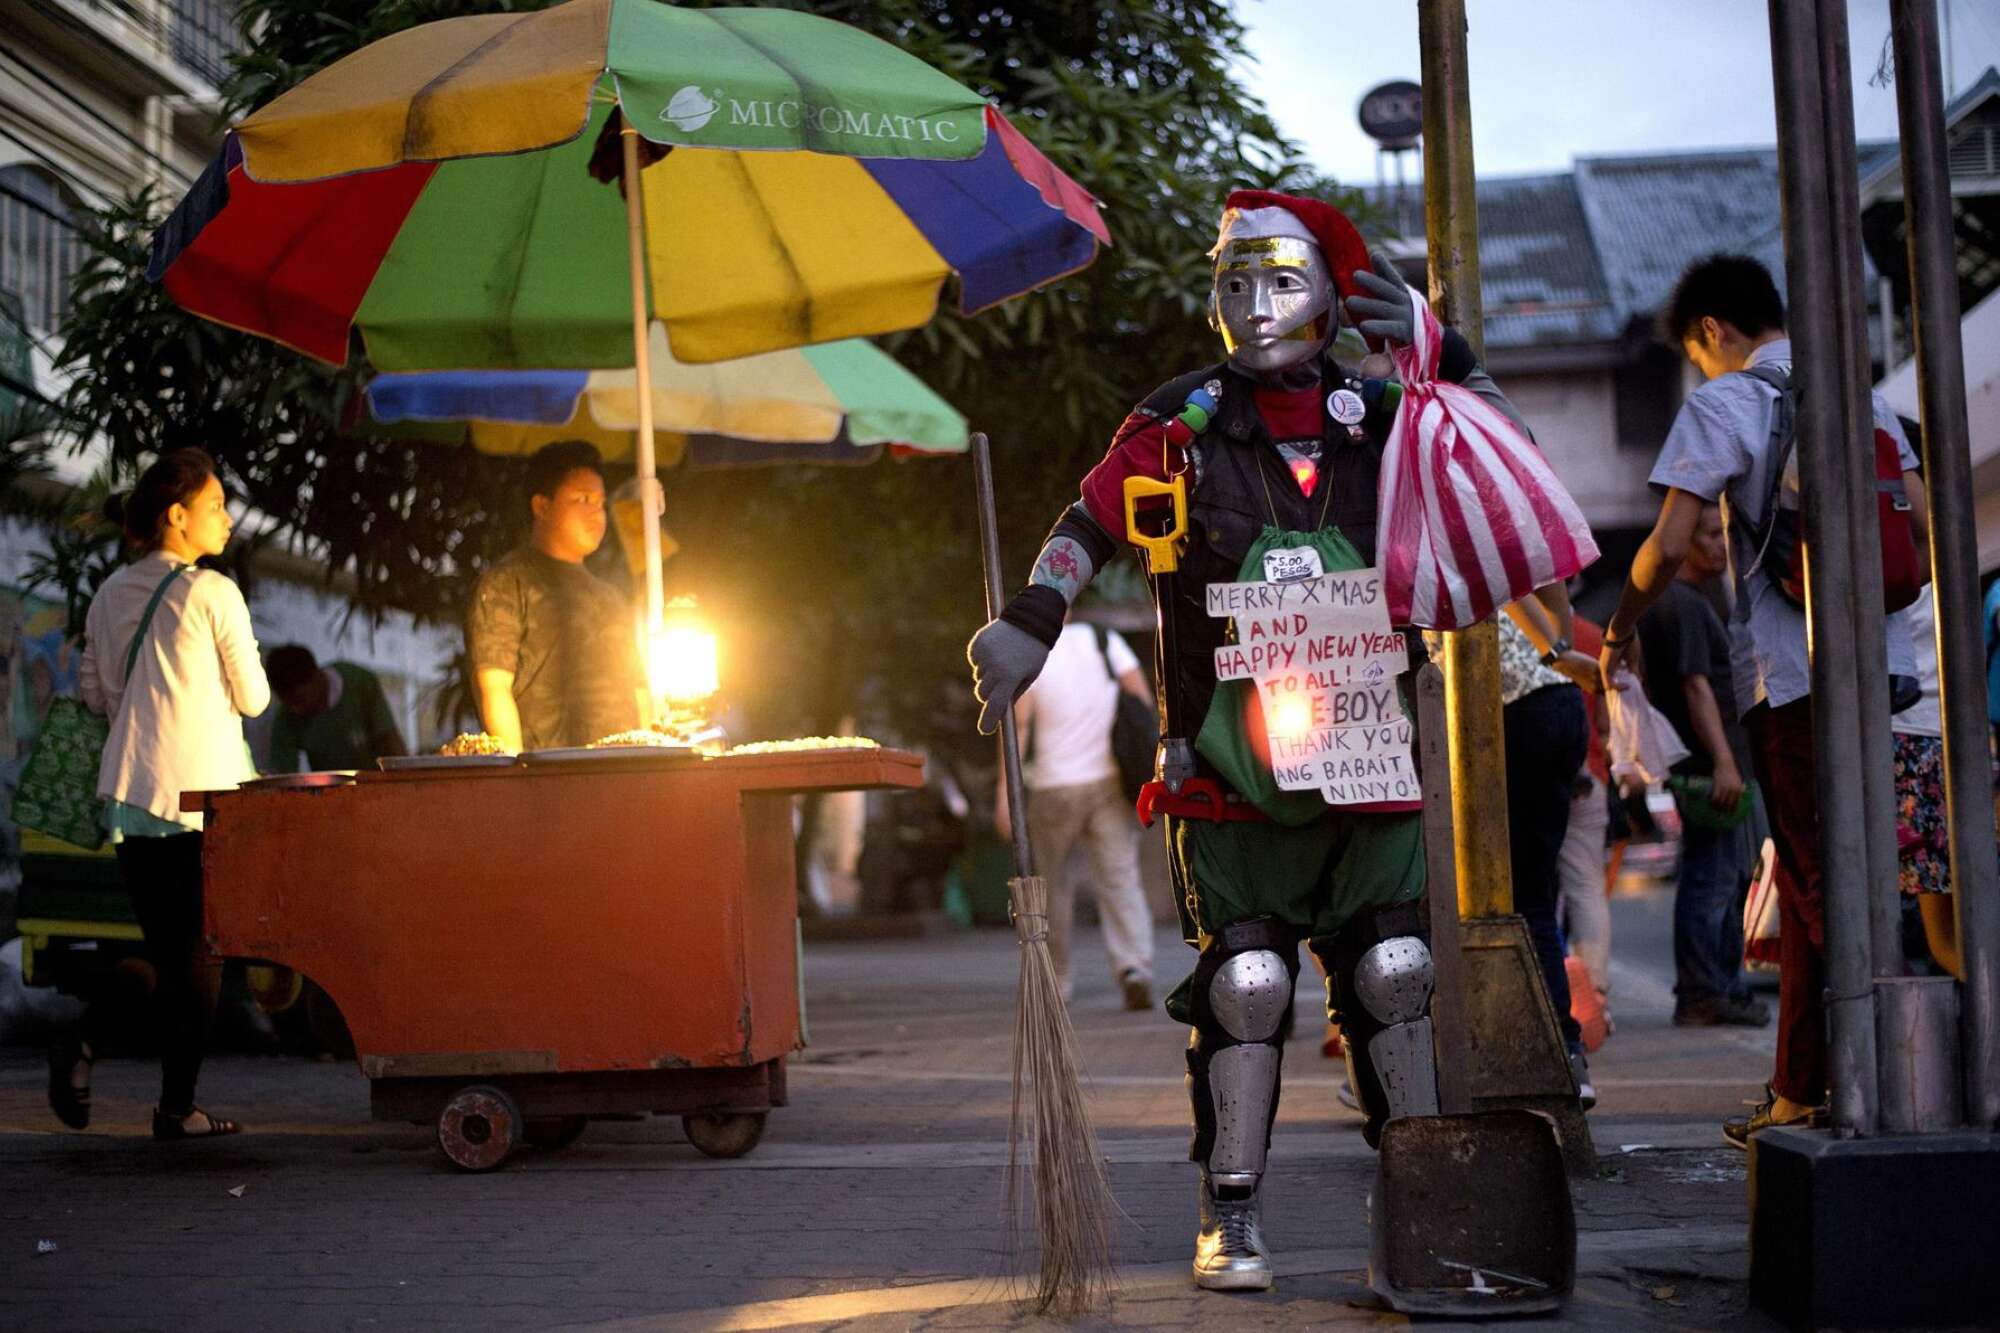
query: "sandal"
70, 1103
172, 1128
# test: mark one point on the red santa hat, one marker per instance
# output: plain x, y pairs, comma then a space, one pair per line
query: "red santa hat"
1254, 214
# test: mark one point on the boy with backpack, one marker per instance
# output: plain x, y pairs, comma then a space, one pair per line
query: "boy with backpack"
1733, 443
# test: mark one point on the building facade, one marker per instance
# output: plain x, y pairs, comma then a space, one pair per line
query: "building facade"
99, 99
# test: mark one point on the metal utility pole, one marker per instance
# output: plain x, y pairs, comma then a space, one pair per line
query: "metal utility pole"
1517, 1052
1954, 552
1472, 656
1821, 371
1857, 436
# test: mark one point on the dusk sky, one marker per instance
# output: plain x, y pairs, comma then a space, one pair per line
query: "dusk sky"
1554, 79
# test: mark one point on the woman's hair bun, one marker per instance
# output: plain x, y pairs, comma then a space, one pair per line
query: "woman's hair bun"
114, 507
174, 478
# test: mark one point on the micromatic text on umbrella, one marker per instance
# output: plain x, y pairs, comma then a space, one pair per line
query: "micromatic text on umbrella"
690, 109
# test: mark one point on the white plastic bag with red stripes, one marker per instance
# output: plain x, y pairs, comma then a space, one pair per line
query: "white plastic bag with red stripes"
1470, 517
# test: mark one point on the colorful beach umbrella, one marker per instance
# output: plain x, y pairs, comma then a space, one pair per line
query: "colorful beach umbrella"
788, 180
830, 404
431, 192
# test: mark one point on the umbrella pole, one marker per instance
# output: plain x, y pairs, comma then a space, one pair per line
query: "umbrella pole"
642, 370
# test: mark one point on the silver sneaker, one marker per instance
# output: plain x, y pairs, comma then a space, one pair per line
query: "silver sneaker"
1229, 1254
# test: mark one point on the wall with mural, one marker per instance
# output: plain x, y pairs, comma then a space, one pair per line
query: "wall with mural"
38, 661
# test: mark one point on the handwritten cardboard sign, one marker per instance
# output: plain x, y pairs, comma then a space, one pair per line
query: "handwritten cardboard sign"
1324, 661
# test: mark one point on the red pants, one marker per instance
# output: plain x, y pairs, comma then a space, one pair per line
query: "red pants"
1782, 743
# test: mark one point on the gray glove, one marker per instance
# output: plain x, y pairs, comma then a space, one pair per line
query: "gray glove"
1385, 311
1005, 661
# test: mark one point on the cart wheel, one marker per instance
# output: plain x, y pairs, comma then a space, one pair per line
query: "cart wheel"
478, 1127
726, 1134
553, 1132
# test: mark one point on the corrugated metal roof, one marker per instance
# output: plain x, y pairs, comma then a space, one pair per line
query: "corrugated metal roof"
1540, 278
1575, 258
1653, 215
1541, 283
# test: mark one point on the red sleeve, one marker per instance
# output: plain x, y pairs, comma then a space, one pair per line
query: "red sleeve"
1139, 449
1588, 639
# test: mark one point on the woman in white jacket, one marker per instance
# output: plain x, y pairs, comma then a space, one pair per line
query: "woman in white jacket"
176, 726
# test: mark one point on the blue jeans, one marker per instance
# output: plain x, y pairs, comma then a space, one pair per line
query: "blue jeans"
1708, 916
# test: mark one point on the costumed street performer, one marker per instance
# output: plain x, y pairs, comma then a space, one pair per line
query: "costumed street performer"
1279, 452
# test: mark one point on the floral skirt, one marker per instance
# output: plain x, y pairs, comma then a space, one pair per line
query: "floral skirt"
1920, 823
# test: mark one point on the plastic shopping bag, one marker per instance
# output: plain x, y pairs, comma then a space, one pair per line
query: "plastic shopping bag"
1643, 746
1586, 1006
1470, 517
1760, 913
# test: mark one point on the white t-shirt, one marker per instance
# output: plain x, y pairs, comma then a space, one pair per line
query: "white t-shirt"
1075, 699
1923, 717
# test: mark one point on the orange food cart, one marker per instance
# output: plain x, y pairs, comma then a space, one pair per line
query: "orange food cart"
519, 948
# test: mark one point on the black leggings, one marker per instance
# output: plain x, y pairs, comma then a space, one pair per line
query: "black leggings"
1547, 738
163, 875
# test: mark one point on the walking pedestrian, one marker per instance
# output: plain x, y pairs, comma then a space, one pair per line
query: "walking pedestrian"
1686, 652
1727, 316
1547, 739
1075, 795
1920, 816
171, 659
1583, 884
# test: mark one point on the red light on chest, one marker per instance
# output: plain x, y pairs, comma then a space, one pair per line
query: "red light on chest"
1305, 474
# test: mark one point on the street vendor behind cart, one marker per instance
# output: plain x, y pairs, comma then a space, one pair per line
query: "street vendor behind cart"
1286, 776
336, 715
553, 652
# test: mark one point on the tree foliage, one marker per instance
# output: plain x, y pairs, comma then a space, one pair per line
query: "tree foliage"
835, 585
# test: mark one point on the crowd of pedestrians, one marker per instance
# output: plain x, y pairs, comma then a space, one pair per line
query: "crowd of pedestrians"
1709, 624
1722, 450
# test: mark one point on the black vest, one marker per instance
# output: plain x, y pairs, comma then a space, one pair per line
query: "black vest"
1237, 485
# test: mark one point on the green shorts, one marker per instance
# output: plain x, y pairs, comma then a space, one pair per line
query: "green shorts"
1314, 877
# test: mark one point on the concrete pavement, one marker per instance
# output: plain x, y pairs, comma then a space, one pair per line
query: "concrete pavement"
873, 1202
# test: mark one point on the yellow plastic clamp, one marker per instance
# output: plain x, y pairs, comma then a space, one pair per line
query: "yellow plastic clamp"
1163, 552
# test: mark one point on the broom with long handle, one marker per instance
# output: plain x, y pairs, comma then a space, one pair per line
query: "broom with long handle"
1072, 1198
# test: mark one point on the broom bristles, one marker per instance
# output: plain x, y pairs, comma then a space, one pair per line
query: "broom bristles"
1071, 1195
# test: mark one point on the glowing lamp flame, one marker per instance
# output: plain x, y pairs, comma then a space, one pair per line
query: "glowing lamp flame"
681, 657
1291, 716
1305, 474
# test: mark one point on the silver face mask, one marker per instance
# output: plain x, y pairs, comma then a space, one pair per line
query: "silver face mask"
1273, 302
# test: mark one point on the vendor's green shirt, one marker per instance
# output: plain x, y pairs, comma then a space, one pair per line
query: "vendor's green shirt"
358, 729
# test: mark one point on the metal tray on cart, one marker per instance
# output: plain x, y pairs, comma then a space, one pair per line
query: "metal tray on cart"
319, 778
588, 754
397, 763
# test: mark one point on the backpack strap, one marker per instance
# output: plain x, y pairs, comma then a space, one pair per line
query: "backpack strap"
146, 621
1103, 636
1783, 439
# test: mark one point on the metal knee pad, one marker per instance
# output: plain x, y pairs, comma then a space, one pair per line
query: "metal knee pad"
1248, 999
1393, 980
1250, 994
1393, 983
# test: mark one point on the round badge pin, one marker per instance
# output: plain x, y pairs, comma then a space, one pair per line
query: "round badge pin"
1346, 407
